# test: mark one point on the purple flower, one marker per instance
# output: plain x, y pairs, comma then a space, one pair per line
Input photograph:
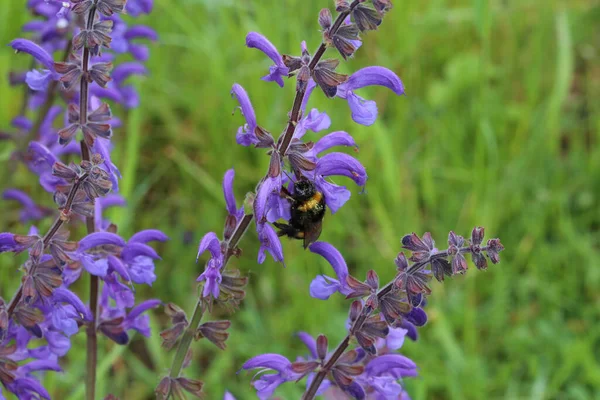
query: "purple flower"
323, 286
35, 79
364, 111
230, 202
31, 211
228, 396
137, 7
212, 272
115, 322
277, 71
266, 384
269, 241
246, 134
138, 322
337, 164
8, 243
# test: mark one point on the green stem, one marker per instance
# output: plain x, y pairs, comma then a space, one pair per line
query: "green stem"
186, 340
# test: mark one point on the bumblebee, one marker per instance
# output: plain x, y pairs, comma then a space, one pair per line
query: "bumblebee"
307, 212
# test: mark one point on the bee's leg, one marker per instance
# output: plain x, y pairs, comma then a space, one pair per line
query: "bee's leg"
288, 230
284, 193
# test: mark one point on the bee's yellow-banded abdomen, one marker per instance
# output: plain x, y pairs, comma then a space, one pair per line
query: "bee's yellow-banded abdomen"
312, 202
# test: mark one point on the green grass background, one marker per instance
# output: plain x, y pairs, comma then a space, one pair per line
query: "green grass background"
499, 128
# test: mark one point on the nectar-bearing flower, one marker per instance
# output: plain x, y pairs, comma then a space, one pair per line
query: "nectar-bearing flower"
277, 71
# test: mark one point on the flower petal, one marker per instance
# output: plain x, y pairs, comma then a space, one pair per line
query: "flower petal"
268, 187
210, 242
99, 239
255, 40
309, 89
310, 343
62, 295
38, 81
339, 138
315, 121
94, 267
245, 135
370, 76
29, 47
272, 361
228, 191
143, 307
334, 258
342, 164
335, 196
135, 249
322, 287
279, 70
382, 364
149, 235
364, 112
140, 31
125, 70
269, 242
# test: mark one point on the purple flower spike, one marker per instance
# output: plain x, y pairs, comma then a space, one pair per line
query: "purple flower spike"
279, 70
322, 287
364, 111
245, 134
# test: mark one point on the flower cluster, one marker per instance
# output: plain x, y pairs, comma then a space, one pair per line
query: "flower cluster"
44, 306
364, 365
218, 285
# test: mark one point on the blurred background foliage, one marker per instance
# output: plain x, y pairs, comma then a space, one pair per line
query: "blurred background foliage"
500, 128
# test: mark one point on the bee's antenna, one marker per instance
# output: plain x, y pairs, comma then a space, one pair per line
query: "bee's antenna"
286, 174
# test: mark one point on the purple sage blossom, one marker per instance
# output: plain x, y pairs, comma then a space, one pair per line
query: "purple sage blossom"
278, 70
266, 384
364, 111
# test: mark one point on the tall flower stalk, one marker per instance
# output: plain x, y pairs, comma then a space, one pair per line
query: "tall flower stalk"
44, 306
380, 318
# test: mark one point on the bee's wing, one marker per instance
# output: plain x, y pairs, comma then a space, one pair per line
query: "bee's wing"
312, 233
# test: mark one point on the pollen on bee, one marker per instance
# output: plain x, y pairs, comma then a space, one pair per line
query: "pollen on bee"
312, 202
